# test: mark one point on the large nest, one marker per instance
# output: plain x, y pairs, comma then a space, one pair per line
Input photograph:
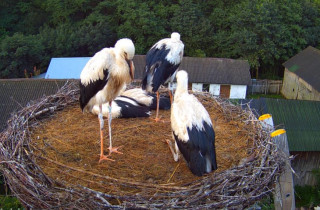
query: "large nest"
49, 158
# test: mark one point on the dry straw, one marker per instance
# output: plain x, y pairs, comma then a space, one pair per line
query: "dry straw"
238, 186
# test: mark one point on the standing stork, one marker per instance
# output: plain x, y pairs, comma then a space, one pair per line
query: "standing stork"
192, 130
162, 62
102, 79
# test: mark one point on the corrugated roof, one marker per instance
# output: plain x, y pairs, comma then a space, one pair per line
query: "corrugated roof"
301, 119
306, 65
207, 70
16, 93
201, 70
217, 70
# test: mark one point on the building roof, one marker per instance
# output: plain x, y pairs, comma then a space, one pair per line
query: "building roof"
66, 68
17, 93
217, 70
207, 70
306, 65
201, 70
301, 120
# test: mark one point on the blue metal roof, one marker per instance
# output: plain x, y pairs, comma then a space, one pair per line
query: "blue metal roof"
66, 68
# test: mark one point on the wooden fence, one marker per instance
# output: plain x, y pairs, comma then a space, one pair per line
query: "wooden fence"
265, 87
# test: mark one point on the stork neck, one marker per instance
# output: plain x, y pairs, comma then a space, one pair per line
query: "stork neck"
181, 89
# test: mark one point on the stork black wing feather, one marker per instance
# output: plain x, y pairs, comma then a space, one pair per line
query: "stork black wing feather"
90, 90
199, 146
129, 110
158, 66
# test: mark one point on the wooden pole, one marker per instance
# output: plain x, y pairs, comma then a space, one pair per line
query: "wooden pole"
284, 189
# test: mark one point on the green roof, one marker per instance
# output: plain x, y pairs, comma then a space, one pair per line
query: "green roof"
301, 120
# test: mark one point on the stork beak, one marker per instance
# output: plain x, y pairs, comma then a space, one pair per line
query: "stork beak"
131, 69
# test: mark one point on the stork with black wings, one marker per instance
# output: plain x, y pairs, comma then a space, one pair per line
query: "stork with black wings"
192, 130
162, 62
102, 79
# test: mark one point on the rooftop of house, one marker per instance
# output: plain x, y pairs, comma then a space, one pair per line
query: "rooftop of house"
201, 70
306, 65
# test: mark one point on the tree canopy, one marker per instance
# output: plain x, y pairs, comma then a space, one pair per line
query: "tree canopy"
264, 32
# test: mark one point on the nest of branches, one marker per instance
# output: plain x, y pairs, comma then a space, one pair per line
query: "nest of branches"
45, 170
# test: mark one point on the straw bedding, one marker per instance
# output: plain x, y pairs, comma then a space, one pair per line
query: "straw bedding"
50, 152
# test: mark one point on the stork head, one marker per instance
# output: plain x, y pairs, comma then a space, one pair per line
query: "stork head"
125, 48
175, 36
182, 80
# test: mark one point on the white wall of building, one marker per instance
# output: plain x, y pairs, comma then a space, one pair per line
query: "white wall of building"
238, 91
214, 89
197, 86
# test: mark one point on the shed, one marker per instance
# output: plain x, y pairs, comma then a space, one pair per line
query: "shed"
301, 120
223, 77
227, 78
302, 75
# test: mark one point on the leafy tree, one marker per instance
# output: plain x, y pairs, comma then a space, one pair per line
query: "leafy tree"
19, 53
266, 33
141, 21
310, 22
190, 22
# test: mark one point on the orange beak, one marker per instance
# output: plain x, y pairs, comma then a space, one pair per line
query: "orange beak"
131, 69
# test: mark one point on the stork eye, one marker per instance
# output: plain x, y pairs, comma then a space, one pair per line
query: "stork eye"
125, 54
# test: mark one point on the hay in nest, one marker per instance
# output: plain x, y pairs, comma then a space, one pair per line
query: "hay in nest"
49, 158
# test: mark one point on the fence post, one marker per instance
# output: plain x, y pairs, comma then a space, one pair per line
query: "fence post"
284, 189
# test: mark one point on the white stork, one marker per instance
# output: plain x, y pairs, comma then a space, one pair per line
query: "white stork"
123, 107
162, 62
192, 130
147, 99
133, 103
102, 79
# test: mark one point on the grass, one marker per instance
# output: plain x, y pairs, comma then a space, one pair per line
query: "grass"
7, 201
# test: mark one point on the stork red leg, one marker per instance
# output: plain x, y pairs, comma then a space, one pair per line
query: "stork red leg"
171, 96
101, 122
111, 149
157, 112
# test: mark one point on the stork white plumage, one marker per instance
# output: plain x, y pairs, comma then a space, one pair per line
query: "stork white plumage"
102, 79
123, 107
132, 103
192, 130
147, 99
162, 62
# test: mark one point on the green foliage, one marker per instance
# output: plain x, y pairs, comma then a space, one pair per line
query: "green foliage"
266, 33
139, 21
9, 202
266, 203
309, 196
19, 53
